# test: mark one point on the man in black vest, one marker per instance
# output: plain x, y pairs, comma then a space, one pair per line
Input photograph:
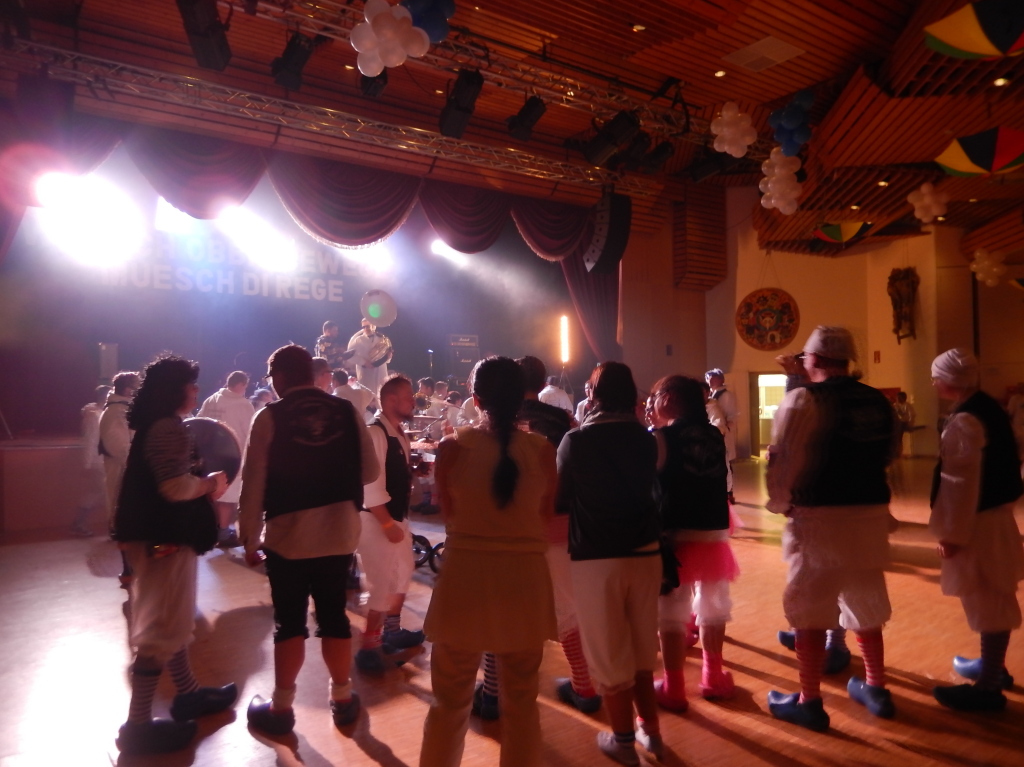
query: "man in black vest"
384, 544
976, 485
307, 460
831, 443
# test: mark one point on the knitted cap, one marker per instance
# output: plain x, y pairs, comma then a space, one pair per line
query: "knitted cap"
831, 342
957, 367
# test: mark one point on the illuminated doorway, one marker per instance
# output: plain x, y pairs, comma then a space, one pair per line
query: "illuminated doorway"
766, 393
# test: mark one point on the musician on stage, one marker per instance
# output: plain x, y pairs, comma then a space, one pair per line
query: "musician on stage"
328, 346
372, 353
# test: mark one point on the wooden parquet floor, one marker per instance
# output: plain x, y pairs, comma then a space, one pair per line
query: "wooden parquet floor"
65, 691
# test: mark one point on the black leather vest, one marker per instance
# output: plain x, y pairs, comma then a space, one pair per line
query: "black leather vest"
692, 490
314, 458
397, 476
1000, 467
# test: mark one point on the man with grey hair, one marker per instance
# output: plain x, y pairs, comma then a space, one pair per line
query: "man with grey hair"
726, 402
977, 481
832, 441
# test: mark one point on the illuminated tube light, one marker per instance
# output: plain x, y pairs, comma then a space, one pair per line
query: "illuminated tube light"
89, 219
563, 325
266, 247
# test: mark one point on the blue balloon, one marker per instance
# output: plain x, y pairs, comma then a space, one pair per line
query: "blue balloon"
435, 25
447, 7
802, 134
790, 149
793, 117
415, 7
782, 134
775, 118
804, 99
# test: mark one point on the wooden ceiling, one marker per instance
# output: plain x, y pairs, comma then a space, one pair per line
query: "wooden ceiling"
885, 105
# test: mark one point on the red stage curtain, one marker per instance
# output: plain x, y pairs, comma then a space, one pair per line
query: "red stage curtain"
553, 230
596, 299
92, 141
468, 219
342, 204
196, 174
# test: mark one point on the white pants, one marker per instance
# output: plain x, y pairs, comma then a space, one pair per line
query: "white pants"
163, 600
710, 601
388, 566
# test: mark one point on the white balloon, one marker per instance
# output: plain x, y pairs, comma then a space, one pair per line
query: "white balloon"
385, 26
768, 168
998, 270
927, 187
767, 201
369, 63
776, 154
787, 207
992, 282
730, 110
392, 54
763, 185
717, 125
737, 150
416, 42
915, 198
375, 8
401, 13
749, 135
363, 38
720, 144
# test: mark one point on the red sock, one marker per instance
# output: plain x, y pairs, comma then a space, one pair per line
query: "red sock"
674, 684
372, 639
810, 654
712, 663
873, 652
573, 649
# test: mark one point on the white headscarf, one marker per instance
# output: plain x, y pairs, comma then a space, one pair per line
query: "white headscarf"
957, 367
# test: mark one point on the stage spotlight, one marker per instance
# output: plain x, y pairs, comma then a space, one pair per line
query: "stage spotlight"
287, 68
613, 134
89, 218
445, 251
206, 34
520, 126
265, 246
459, 108
631, 157
657, 158
171, 220
373, 87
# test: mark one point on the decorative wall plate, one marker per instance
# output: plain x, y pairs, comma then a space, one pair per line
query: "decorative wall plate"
768, 319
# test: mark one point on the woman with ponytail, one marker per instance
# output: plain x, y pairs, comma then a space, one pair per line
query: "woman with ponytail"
496, 486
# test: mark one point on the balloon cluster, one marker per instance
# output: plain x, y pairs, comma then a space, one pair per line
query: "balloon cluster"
988, 267
790, 123
431, 16
386, 38
733, 131
779, 185
928, 203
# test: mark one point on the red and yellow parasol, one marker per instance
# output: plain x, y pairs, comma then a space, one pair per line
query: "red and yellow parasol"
998, 150
987, 29
846, 231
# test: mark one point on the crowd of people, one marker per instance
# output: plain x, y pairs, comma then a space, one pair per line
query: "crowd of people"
604, 526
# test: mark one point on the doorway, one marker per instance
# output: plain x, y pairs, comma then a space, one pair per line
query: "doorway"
766, 393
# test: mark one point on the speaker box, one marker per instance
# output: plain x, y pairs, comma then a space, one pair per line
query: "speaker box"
614, 215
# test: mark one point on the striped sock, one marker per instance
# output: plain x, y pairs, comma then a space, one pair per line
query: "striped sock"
392, 623
836, 638
144, 684
810, 654
181, 672
872, 650
573, 649
490, 674
993, 659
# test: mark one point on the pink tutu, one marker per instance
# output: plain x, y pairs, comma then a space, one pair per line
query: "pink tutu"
706, 561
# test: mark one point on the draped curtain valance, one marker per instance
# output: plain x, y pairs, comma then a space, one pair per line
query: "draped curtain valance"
335, 202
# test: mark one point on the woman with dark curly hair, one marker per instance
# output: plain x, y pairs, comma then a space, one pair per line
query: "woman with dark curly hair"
164, 518
497, 488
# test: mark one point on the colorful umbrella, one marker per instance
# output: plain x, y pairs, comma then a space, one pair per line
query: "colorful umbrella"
988, 29
998, 150
842, 232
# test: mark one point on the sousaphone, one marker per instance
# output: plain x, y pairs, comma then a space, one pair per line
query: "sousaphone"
380, 310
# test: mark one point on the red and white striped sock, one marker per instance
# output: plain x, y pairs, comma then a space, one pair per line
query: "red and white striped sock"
144, 683
573, 649
873, 652
181, 672
993, 659
810, 654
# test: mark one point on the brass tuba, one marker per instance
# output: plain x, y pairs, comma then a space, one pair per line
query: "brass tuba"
380, 310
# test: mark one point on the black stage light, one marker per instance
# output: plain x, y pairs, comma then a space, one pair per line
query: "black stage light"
632, 156
373, 87
459, 108
287, 68
656, 159
206, 33
520, 126
614, 133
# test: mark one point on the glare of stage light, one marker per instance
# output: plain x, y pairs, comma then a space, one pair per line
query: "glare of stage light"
445, 251
171, 220
89, 218
377, 257
266, 247
563, 327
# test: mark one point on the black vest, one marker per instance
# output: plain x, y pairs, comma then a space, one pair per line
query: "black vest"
314, 458
1000, 467
692, 490
144, 515
847, 457
397, 476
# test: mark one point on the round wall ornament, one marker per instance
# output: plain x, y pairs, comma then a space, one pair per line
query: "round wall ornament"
768, 319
